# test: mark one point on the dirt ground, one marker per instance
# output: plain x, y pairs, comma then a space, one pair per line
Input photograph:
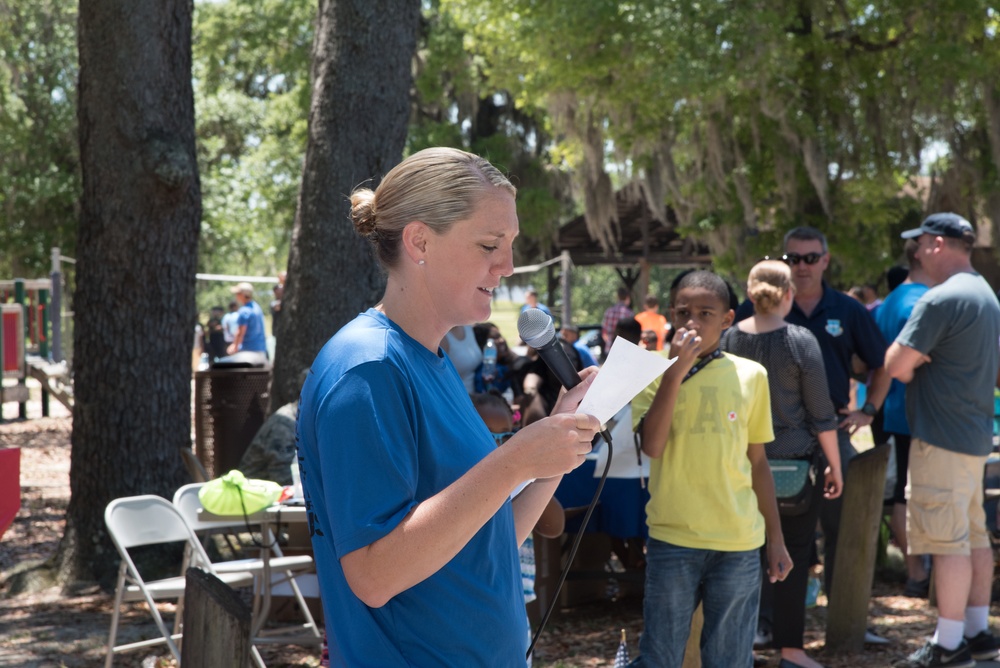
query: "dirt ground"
51, 629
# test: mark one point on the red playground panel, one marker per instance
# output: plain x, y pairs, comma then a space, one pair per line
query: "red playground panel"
10, 486
12, 343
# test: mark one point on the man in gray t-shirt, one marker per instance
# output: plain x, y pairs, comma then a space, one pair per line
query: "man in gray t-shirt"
950, 402
949, 352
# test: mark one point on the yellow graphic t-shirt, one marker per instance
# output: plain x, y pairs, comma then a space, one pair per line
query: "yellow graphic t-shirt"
701, 493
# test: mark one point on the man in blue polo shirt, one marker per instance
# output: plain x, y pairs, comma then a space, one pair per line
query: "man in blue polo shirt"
844, 328
250, 336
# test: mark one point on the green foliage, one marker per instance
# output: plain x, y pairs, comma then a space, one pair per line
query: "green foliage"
39, 156
756, 117
251, 70
748, 118
595, 288
455, 106
252, 96
259, 48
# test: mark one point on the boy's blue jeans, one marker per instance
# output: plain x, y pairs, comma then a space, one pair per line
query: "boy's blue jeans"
728, 586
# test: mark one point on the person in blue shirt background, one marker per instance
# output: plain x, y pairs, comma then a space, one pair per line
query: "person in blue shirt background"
571, 334
891, 316
250, 335
531, 301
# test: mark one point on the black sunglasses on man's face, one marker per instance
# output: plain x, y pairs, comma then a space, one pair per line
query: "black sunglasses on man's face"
794, 258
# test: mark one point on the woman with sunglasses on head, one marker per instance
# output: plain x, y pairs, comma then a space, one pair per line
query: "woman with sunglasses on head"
409, 498
803, 420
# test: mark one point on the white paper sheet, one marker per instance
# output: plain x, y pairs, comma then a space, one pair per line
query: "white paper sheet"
623, 375
520, 488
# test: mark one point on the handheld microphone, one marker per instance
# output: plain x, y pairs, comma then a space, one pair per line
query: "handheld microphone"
536, 330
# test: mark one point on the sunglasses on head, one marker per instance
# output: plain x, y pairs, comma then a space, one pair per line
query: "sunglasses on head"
794, 258
501, 437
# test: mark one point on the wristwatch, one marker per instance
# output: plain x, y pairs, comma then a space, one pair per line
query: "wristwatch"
869, 409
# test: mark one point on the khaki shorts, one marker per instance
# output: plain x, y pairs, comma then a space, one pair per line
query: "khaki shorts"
944, 510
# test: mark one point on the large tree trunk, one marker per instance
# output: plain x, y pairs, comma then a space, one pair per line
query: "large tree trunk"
358, 119
136, 258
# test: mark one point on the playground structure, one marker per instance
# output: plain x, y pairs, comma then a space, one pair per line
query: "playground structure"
31, 339
31, 335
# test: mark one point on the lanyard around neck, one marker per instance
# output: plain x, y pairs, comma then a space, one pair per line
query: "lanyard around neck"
702, 363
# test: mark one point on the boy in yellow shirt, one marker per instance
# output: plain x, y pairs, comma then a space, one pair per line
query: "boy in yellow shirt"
704, 424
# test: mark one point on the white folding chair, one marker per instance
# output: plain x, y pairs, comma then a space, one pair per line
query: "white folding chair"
136, 521
285, 570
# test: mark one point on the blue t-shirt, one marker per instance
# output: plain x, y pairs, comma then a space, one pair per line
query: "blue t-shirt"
540, 306
586, 359
385, 424
890, 316
229, 325
843, 327
949, 402
251, 315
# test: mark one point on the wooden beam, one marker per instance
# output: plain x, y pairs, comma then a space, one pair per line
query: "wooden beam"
216, 624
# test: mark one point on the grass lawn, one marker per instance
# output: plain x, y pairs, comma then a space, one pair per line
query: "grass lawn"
505, 314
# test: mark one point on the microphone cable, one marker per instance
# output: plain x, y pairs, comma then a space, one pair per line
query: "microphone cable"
576, 543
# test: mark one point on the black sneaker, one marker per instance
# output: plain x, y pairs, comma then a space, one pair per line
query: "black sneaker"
935, 656
983, 646
917, 588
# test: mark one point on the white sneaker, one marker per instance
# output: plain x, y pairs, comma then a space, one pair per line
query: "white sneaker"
872, 638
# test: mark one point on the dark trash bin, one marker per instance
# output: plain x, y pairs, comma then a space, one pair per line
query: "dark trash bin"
230, 407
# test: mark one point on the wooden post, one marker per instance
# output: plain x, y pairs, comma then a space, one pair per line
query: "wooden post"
55, 306
20, 297
857, 545
216, 624
587, 580
548, 567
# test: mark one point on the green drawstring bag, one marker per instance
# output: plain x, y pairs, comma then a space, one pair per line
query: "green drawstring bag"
233, 494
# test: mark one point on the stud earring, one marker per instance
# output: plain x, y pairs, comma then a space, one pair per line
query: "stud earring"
420, 262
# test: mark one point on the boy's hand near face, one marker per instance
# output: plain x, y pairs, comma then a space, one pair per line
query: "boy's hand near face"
686, 347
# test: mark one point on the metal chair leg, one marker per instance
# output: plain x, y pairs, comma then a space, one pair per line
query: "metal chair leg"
115, 615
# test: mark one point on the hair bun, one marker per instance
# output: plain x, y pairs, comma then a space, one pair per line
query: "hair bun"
363, 211
767, 285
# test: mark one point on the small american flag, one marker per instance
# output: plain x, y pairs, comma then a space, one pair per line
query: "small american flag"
621, 658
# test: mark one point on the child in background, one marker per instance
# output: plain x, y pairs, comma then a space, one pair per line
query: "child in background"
649, 340
499, 419
712, 495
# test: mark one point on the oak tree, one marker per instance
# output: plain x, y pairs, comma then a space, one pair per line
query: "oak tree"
136, 254
361, 78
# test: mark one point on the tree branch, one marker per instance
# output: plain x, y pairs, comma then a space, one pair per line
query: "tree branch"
857, 41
